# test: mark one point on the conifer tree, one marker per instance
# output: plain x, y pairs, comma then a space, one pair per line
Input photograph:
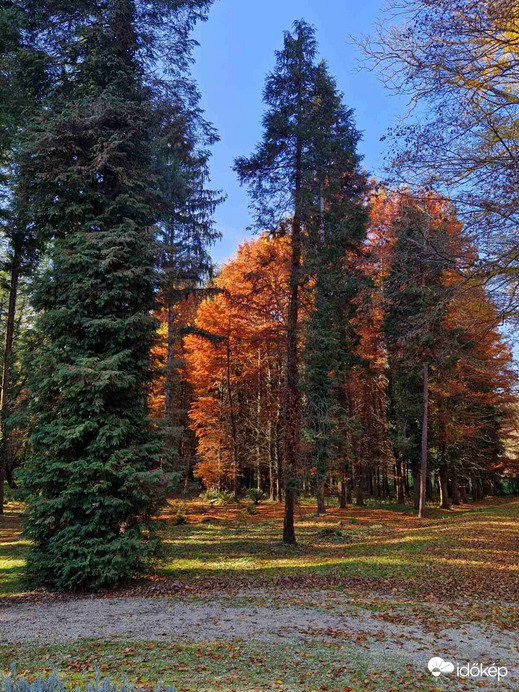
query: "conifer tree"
417, 300
335, 230
183, 236
88, 175
279, 175
23, 82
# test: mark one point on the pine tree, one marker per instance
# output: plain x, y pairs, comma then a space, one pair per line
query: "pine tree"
88, 176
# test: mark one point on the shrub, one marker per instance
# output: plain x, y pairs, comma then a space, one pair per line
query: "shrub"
251, 509
51, 683
218, 497
255, 495
178, 509
226, 497
330, 532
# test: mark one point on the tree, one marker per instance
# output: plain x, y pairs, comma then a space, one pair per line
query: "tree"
88, 175
285, 176
458, 62
22, 86
183, 236
336, 229
417, 299
237, 375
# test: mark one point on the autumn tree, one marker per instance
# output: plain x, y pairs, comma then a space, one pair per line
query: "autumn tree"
457, 61
235, 365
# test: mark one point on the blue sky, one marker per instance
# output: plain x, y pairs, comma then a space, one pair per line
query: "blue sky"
236, 52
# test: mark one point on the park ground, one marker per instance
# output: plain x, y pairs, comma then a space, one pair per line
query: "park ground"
362, 603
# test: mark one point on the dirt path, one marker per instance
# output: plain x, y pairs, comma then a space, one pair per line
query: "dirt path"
254, 617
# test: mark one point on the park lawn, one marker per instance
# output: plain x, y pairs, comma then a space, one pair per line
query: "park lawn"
470, 550
466, 552
456, 567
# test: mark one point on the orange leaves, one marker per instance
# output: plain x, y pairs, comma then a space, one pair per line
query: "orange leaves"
236, 378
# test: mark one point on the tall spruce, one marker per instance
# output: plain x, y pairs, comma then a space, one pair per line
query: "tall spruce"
277, 175
335, 232
293, 178
88, 175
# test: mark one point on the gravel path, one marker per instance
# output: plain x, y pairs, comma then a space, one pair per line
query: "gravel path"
165, 619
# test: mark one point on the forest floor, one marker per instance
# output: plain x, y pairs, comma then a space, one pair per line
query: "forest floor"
363, 602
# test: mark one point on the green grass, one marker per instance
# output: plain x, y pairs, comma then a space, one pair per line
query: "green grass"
209, 666
13, 548
384, 544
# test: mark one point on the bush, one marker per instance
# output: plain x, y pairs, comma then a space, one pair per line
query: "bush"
330, 532
218, 497
179, 509
255, 495
8, 493
251, 509
51, 683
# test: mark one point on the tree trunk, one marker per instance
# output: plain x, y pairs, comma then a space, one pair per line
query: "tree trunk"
455, 487
425, 424
291, 412
258, 427
168, 394
399, 482
342, 493
359, 491
232, 416
416, 485
444, 496
6, 370
321, 508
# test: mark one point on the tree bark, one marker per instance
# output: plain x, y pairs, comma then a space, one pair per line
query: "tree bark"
342, 493
291, 412
399, 481
231, 415
444, 496
425, 426
321, 507
455, 487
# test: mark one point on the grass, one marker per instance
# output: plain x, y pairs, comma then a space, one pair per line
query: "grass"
210, 666
471, 548
391, 563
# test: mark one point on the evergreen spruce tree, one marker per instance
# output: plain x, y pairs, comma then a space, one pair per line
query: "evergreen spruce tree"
88, 177
336, 229
302, 175
277, 175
